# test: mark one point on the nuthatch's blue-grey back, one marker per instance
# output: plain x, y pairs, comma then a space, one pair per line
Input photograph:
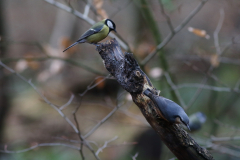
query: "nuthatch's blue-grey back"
170, 110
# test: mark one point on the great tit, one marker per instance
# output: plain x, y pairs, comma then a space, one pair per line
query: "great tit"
96, 33
169, 110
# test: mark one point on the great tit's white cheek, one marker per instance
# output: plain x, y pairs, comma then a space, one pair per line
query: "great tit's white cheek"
110, 25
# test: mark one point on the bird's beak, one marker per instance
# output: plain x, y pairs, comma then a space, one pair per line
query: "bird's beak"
188, 127
115, 30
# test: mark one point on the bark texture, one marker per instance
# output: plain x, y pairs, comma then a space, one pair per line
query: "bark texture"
129, 75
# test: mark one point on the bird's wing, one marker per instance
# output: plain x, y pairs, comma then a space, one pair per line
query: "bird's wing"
90, 32
169, 106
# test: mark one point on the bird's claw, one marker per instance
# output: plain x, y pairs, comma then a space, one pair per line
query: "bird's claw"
96, 44
153, 91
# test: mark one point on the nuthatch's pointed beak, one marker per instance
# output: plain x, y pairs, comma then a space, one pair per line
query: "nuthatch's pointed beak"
115, 30
188, 127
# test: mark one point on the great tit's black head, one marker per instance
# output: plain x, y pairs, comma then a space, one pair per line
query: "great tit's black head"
110, 24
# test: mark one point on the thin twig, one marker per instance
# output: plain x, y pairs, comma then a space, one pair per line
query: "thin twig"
225, 150
198, 85
41, 145
226, 60
216, 32
221, 139
135, 156
236, 87
101, 122
86, 10
68, 103
41, 95
219, 52
68, 140
166, 17
173, 86
80, 136
214, 77
176, 30
52, 105
91, 85
105, 145
197, 93
227, 125
218, 148
67, 60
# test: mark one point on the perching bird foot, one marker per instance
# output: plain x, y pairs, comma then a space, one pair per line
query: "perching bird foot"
153, 91
97, 44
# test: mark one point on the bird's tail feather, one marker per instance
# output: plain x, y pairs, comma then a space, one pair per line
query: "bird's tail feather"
74, 44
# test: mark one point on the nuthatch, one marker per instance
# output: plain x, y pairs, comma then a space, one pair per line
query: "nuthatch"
170, 111
96, 33
196, 120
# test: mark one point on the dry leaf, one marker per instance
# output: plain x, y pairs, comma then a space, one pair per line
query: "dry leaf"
199, 32
100, 85
214, 60
100, 11
144, 49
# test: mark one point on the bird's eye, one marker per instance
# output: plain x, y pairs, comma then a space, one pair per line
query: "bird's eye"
110, 25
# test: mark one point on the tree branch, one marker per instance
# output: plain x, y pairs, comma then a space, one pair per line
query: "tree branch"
40, 145
45, 58
129, 75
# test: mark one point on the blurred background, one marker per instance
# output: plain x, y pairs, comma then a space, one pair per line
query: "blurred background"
198, 68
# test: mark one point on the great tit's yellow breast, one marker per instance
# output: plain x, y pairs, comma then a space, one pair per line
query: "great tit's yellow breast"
98, 36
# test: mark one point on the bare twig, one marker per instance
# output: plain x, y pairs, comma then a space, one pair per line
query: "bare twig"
198, 85
207, 58
52, 105
166, 17
214, 77
86, 10
91, 85
101, 122
68, 103
67, 60
227, 125
67, 140
41, 95
217, 30
219, 52
41, 145
176, 30
236, 87
197, 93
135, 156
173, 86
225, 150
105, 145
221, 139
80, 136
